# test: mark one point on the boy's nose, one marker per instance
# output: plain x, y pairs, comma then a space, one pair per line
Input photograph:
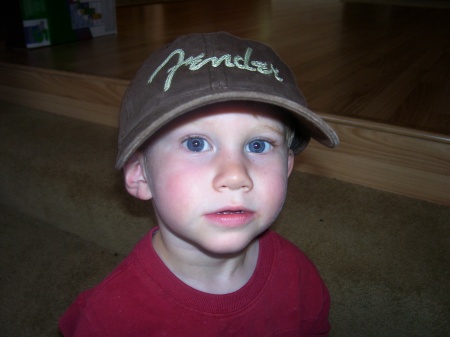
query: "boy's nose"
232, 174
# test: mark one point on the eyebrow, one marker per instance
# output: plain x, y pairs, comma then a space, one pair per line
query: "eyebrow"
275, 129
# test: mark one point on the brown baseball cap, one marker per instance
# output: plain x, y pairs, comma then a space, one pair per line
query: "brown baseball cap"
202, 69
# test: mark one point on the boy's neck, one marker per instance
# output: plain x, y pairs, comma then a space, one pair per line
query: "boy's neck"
209, 274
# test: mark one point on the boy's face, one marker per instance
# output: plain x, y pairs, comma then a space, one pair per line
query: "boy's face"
217, 176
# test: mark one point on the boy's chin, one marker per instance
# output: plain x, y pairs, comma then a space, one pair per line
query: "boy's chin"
226, 249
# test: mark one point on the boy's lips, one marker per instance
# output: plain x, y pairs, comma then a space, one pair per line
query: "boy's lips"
231, 217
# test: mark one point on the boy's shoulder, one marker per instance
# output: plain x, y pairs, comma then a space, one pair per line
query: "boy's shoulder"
291, 263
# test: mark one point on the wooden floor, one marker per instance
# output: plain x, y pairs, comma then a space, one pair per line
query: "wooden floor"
379, 74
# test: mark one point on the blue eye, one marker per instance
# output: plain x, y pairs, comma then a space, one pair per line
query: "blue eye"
196, 144
258, 146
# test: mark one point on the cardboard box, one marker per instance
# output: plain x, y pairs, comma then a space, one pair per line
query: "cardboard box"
50, 22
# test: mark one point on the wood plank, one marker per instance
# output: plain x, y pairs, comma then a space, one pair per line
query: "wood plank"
412, 3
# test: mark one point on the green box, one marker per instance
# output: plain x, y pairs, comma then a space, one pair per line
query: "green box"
50, 22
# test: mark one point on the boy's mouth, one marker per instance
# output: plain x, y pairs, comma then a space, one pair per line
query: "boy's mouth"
231, 212
231, 217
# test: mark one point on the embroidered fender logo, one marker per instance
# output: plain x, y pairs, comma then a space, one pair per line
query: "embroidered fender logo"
197, 62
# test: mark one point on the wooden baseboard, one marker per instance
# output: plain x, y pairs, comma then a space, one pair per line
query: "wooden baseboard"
393, 159
400, 161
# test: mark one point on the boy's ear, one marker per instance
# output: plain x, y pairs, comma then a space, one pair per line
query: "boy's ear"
136, 181
291, 161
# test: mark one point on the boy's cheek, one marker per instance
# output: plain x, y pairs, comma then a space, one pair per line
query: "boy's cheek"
178, 185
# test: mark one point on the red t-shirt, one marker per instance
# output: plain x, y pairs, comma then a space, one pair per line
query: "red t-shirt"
285, 297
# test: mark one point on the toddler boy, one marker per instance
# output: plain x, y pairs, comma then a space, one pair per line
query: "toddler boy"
209, 128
